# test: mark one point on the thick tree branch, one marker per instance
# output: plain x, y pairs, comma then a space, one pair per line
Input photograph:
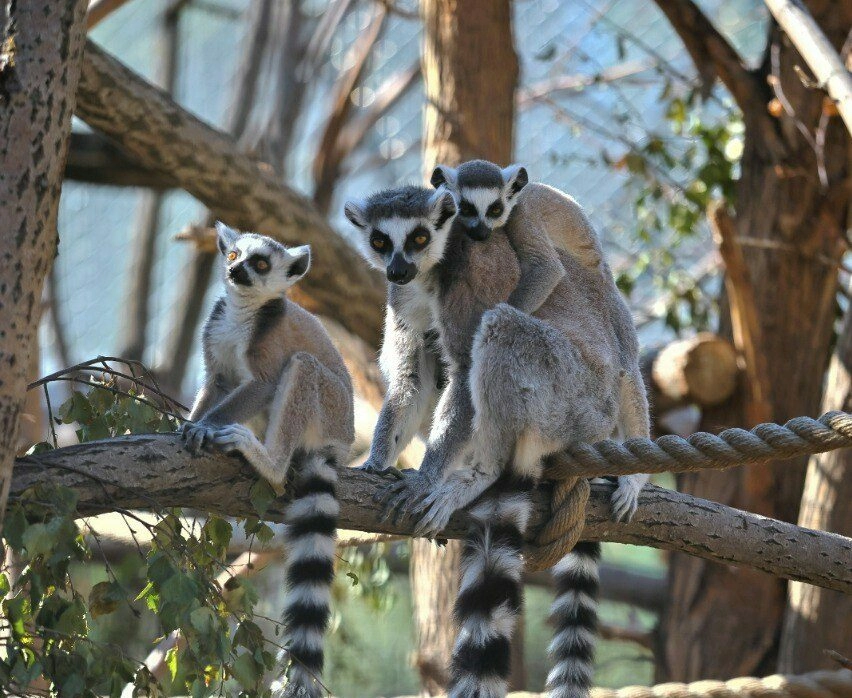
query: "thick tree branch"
156, 471
239, 189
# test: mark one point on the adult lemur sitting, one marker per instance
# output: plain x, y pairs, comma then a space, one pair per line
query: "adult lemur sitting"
276, 391
563, 371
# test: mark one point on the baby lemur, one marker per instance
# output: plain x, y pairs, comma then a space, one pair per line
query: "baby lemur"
568, 374
276, 391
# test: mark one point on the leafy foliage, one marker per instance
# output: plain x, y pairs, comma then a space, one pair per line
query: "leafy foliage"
52, 625
675, 178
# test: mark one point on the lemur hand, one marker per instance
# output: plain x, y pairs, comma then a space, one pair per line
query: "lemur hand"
373, 465
196, 435
625, 498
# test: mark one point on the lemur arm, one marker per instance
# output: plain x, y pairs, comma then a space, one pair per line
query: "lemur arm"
541, 268
208, 395
451, 427
241, 404
410, 367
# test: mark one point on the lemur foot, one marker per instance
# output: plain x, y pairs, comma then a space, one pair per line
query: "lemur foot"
196, 435
237, 438
433, 513
398, 497
625, 498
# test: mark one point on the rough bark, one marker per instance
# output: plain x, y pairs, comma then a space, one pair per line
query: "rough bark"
94, 160
465, 46
790, 215
156, 471
238, 188
818, 620
40, 60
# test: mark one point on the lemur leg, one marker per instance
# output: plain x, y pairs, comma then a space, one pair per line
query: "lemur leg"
295, 419
633, 421
409, 397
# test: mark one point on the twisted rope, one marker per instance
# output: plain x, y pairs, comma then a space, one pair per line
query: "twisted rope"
701, 451
817, 684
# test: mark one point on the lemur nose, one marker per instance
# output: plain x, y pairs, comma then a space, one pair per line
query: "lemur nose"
400, 271
479, 232
239, 274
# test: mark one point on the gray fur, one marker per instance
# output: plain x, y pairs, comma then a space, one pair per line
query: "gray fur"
273, 382
277, 392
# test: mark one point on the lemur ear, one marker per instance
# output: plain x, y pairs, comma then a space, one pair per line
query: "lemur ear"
515, 178
356, 211
226, 237
444, 175
442, 207
300, 262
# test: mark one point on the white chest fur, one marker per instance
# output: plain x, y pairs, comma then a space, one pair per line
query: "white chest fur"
228, 339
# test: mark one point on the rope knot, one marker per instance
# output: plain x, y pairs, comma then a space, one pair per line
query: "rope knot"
567, 518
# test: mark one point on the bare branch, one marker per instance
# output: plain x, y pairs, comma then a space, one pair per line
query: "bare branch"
236, 187
141, 471
326, 166
819, 54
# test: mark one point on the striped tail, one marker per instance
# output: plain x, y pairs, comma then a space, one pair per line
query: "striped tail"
575, 616
311, 535
491, 591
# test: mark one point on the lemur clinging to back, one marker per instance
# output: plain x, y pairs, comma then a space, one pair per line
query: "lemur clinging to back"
277, 392
490, 591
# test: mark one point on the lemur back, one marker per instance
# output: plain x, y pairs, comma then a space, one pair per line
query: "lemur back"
277, 392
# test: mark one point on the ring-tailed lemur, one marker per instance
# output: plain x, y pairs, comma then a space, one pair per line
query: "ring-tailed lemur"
270, 369
490, 591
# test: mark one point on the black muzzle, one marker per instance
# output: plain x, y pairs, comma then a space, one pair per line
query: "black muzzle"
400, 270
479, 232
239, 274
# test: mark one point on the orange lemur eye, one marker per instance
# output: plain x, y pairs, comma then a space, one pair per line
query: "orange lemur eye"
232, 256
421, 239
378, 241
261, 265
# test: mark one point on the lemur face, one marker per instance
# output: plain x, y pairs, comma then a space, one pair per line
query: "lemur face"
486, 193
403, 231
258, 266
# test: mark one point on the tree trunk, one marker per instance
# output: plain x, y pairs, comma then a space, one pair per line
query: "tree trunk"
465, 46
723, 622
40, 61
819, 620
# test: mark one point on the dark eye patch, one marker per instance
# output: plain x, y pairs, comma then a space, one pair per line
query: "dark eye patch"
259, 263
467, 209
380, 242
417, 239
495, 210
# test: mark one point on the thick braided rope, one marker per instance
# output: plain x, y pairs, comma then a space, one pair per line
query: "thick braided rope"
799, 436
568, 517
700, 451
817, 684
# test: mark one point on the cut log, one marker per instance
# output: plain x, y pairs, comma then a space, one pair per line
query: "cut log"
701, 370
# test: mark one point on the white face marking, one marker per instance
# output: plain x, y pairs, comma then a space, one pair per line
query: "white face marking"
264, 286
482, 198
398, 229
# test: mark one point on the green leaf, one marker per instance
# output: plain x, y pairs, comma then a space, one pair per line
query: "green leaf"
76, 408
38, 540
265, 533
204, 620
172, 661
246, 670
14, 527
261, 496
179, 589
219, 531
104, 598
353, 577
73, 619
5, 587
40, 447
